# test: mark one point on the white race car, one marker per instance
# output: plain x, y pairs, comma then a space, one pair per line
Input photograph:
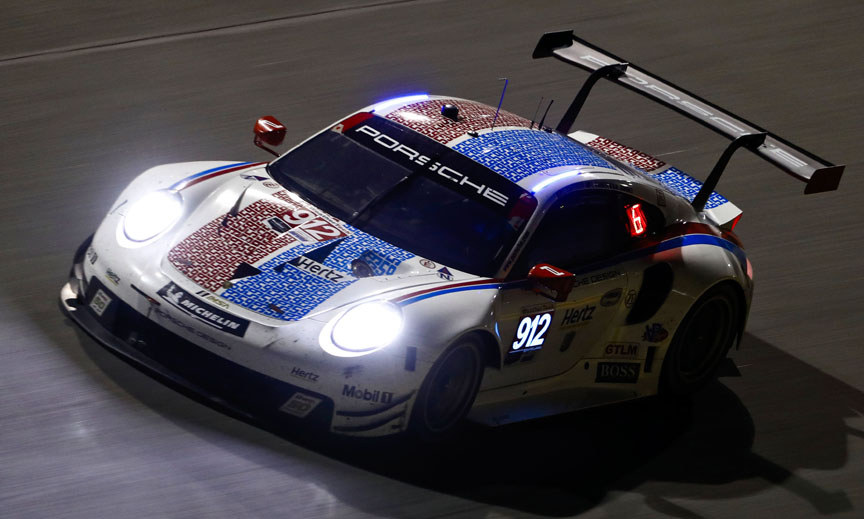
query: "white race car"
428, 259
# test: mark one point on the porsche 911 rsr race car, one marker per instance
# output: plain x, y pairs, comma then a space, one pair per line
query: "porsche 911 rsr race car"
428, 259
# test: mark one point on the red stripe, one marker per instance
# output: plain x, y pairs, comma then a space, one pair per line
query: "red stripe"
217, 173
445, 287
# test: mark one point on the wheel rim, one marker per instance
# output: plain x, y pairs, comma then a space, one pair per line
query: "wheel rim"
452, 388
706, 335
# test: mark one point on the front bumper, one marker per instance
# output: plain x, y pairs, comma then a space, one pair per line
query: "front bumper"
233, 388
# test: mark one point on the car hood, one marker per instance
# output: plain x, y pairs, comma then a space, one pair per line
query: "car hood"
284, 258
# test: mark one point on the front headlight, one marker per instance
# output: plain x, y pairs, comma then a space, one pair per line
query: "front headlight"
367, 327
153, 214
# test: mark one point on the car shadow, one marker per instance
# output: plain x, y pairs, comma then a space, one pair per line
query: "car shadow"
703, 447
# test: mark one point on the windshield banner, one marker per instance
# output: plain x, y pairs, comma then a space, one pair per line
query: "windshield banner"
437, 162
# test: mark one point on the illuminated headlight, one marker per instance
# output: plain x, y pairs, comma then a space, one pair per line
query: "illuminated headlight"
367, 327
153, 214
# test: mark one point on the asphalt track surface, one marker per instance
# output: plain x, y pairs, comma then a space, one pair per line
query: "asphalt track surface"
92, 93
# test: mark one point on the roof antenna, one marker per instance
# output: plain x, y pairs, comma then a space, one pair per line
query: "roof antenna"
536, 111
500, 101
540, 126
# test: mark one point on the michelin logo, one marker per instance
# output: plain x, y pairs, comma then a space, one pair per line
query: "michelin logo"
207, 314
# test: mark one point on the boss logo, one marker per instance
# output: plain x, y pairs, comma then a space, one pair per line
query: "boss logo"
617, 372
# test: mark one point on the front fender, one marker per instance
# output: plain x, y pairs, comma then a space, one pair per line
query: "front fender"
435, 322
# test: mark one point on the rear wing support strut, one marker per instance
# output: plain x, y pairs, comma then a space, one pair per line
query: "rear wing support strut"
613, 71
818, 174
751, 141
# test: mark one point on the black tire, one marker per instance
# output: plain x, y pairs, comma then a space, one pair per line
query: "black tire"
701, 342
448, 391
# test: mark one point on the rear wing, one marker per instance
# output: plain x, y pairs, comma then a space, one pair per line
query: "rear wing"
819, 174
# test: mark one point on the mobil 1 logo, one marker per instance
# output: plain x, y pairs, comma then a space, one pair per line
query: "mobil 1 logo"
617, 372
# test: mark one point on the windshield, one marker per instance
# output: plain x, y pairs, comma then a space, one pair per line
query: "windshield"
409, 190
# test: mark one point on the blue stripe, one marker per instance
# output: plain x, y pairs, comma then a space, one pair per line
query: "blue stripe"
202, 173
672, 243
448, 291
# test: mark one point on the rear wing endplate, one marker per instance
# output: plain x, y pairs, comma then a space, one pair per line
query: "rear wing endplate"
819, 174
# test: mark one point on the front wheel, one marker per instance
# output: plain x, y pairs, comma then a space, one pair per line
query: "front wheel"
701, 342
449, 390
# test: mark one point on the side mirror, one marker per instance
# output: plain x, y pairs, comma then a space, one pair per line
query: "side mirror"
268, 130
550, 281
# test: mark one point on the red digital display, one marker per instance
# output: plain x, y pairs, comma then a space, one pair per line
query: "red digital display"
636, 221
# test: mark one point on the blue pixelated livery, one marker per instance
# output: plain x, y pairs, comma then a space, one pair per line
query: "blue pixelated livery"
517, 154
286, 290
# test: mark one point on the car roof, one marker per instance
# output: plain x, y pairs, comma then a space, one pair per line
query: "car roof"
539, 161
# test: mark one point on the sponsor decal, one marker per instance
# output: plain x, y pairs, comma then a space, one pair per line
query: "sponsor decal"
611, 297
444, 273
655, 333
596, 278
277, 224
213, 299
300, 405
305, 375
531, 332
197, 333
622, 349
91, 255
100, 302
271, 184
617, 372
216, 301
630, 299
404, 152
350, 371
311, 266
206, 313
536, 309
575, 316
112, 277
378, 396
427, 263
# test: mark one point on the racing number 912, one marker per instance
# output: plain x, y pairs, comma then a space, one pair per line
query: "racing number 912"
531, 332
315, 226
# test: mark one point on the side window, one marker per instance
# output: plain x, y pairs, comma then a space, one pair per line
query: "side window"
587, 226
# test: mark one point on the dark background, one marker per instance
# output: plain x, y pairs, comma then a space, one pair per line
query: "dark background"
94, 92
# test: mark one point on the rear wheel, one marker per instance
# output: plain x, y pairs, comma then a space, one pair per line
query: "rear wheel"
701, 342
449, 390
